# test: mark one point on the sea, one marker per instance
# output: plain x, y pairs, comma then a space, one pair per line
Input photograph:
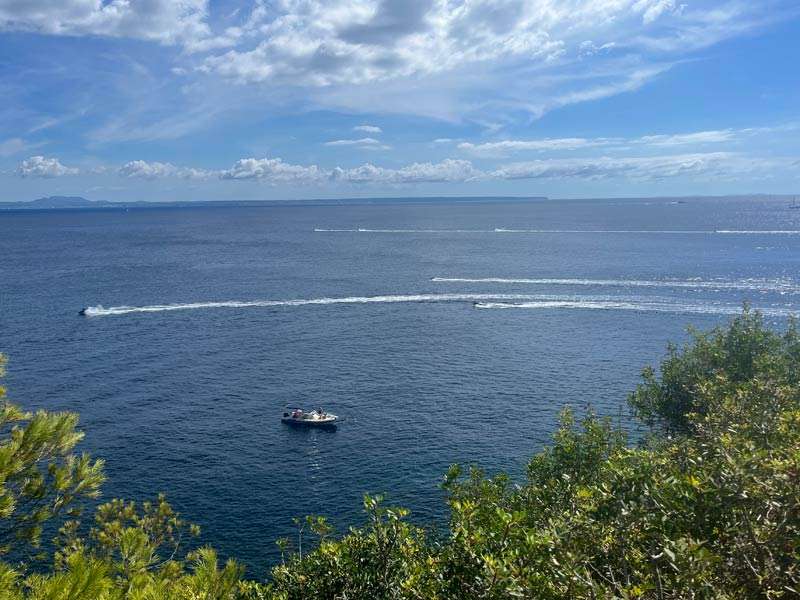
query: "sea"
441, 331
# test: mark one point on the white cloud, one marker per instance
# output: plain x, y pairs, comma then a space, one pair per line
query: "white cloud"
706, 166
367, 141
164, 21
510, 55
651, 10
589, 48
506, 146
483, 59
716, 164
273, 170
40, 166
147, 170
700, 137
140, 169
316, 43
448, 170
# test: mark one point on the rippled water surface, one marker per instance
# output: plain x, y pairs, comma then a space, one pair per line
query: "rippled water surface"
204, 323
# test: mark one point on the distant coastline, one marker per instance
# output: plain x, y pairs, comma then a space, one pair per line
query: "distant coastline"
78, 202
81, 203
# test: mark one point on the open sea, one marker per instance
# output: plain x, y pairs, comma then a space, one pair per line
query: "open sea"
442, 332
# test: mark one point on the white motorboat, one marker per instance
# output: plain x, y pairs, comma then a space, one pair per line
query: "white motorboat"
314, 418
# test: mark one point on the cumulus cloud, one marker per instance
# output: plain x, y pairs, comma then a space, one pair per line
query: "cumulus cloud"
368, 128
140, 169
448, 170
41, 166
165, 21
322, 43
273, 170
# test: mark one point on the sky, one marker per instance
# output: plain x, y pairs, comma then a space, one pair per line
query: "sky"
160, 100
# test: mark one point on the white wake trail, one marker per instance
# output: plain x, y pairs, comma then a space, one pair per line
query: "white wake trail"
571, 231
100, 311
485, 301
661, 307
765, 285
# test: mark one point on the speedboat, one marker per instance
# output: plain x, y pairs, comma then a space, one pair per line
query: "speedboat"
298, 417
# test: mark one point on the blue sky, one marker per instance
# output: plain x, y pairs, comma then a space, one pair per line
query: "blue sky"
257, 99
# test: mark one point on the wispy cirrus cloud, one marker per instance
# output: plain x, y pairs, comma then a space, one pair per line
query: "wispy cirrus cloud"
682, 139
697, 165
504, 147
367, 141
16, 145
697, 138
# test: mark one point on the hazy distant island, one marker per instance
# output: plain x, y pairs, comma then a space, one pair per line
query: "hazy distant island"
78, 202
50, 202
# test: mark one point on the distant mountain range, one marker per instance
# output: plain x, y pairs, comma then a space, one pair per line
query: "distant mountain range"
58, 202
65, 202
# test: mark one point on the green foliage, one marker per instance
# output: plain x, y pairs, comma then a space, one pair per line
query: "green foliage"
713, 512
40, 476
379, 560
744, 351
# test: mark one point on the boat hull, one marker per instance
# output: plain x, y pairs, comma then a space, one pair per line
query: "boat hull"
308, 424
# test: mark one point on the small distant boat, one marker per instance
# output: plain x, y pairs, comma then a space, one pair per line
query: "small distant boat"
794, 204
297, 417
82, 312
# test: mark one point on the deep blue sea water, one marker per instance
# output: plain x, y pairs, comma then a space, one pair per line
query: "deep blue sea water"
443, 332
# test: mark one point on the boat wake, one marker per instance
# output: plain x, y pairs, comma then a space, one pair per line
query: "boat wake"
783, 286
100, 311
483, 301
616, 305
599, 231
